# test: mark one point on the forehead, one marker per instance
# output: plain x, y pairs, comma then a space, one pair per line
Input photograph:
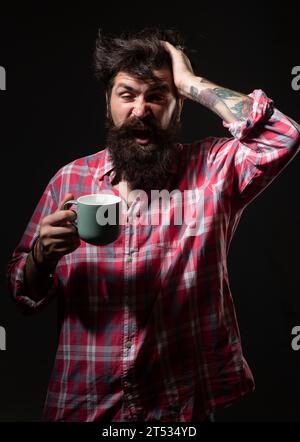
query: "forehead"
164, 77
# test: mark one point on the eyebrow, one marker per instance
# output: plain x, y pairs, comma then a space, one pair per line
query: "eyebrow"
162, 87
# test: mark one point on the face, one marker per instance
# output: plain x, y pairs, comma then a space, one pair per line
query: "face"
143, 124
132, 97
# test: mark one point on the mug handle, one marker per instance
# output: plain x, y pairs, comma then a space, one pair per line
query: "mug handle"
65, 207
69, 202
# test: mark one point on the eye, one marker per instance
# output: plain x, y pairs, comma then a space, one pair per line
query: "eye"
126, 96
156, 97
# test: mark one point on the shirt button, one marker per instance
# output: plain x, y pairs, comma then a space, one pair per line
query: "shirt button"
128, 344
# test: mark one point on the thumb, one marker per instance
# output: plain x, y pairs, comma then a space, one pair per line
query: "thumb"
68, 196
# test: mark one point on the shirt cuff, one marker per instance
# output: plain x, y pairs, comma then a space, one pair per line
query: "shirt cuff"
21, 296
262, 110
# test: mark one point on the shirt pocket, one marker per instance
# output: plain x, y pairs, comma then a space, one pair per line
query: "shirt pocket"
167, 246
166, 264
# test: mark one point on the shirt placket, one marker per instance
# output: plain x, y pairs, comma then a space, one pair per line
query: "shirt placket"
132, 407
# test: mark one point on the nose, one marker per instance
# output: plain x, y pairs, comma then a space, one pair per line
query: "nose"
141, 108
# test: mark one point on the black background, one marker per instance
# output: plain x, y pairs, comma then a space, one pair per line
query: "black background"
53, 112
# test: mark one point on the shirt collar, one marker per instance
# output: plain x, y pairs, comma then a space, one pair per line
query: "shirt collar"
106, 164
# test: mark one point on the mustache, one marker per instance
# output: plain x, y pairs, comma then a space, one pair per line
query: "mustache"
134, 124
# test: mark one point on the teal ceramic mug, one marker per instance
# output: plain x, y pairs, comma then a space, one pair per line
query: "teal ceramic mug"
98, 217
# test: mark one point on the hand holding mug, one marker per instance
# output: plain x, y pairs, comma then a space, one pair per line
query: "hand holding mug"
58, 235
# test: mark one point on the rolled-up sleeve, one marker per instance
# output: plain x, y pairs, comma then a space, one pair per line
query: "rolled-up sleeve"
261, 147
17, 263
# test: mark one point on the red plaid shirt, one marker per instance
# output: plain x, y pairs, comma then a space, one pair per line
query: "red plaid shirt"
149, 329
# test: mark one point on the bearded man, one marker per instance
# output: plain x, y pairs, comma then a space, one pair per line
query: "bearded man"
149, 330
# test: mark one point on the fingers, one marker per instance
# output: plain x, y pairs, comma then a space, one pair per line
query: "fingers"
68, 196
58, 236
170, 48
59, 218
53, 249
58, 240
167, 44
59, 231
55, 245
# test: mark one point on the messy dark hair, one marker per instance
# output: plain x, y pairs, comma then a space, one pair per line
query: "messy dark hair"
136, 53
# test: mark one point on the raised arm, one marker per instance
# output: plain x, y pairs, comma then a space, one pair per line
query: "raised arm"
231, 106
263, 141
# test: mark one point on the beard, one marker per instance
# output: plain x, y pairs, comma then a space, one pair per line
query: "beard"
143, 166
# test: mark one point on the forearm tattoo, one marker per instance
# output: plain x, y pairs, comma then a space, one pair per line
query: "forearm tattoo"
226, 100
242, 109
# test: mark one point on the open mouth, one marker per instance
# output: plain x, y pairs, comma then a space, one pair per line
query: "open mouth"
142, 136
